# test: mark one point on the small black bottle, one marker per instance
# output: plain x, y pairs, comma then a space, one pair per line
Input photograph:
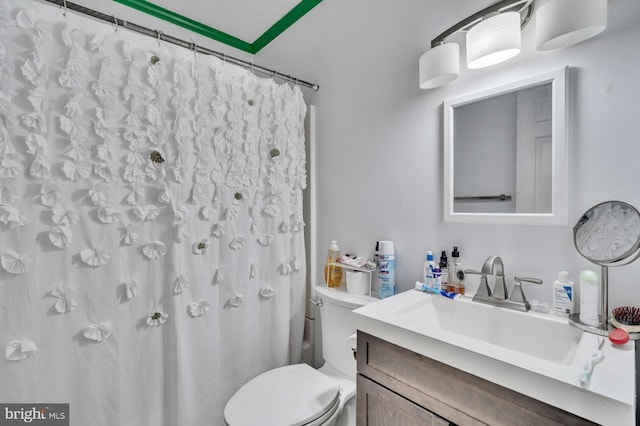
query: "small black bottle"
444, 267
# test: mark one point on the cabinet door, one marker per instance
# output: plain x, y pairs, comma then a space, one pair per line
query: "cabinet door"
378, 406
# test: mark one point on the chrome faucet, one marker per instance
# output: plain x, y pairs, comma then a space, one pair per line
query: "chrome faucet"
500, 296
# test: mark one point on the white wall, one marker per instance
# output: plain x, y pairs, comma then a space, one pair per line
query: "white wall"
380, 136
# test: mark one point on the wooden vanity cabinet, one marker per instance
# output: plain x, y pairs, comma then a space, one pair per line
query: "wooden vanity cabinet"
398, 387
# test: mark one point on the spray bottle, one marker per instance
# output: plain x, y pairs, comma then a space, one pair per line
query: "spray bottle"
386, 269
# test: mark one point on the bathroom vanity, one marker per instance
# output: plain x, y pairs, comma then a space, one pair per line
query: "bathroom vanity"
400, 387
427, 360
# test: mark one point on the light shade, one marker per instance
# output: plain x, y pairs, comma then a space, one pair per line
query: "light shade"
561, 23
493, 40
440, 65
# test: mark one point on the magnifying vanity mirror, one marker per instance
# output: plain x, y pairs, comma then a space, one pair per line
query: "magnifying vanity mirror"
505, 154
608, 234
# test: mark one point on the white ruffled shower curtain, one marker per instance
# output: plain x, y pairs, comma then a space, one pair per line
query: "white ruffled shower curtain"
151, 244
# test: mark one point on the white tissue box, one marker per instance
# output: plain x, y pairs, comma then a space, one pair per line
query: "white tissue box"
357, 282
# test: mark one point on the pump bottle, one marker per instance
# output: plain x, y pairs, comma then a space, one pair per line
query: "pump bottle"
427, 270
563, 295
332, 274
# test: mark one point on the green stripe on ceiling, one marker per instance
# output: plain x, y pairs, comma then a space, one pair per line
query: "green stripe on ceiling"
285, 22
189, 24
276, 29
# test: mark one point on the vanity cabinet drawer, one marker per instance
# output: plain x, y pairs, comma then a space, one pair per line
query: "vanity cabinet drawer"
378, 406
450, 393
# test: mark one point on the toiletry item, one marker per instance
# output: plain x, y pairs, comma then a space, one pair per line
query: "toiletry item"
437, 278
354, 261
563, 295
456, 272
619, 336
357, 282
444, 267
427, 277
332, 273
537, 306
589, 295
427, 289
386, 269
596, 357
427, 270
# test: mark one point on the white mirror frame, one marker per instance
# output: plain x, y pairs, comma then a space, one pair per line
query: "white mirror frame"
559, 215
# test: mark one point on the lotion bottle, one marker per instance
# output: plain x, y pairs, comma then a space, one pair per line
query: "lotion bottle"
427, 270
589, 295
563, 295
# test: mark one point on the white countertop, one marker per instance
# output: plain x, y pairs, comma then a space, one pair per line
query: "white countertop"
407, 320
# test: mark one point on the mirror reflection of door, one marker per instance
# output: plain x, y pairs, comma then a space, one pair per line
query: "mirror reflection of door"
504, 145
534, 150
485, 155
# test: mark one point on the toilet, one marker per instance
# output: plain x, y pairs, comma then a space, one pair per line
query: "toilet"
297, 395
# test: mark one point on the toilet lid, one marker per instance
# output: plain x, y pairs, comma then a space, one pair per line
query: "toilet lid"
293, 395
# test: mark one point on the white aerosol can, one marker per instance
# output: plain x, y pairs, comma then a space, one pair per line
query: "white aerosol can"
386, 269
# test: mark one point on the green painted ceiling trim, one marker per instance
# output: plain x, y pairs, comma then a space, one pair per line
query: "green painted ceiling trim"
189, 24
285, 22
276, 29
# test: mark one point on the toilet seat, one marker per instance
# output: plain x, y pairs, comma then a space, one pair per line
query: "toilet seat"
294, 395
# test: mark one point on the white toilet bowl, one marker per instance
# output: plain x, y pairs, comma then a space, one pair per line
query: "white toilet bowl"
297, 395
294, 395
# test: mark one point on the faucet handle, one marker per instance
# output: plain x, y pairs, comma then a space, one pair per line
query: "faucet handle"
483, 288
528, 280
518, 295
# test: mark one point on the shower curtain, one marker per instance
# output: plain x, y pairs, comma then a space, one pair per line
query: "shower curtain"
151, 245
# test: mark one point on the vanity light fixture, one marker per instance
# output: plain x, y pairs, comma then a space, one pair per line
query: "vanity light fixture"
493, 40
493, 34
561, 23
440, 65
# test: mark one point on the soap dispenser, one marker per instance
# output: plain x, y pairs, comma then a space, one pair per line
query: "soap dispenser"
332, 273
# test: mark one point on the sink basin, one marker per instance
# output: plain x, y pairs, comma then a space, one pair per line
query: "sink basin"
535, 335
538, 355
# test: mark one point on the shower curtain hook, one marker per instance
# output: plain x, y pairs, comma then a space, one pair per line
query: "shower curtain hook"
115, 21
194, 47
160, 37
64, 12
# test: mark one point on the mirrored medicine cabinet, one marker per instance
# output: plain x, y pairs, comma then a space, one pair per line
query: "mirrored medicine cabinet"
506, 153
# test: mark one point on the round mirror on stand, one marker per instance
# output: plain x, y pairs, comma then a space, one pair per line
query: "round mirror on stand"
608, 234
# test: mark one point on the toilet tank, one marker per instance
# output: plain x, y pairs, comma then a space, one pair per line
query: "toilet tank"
337, 324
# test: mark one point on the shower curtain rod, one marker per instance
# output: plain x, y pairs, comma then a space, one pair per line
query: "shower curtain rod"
179, 42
